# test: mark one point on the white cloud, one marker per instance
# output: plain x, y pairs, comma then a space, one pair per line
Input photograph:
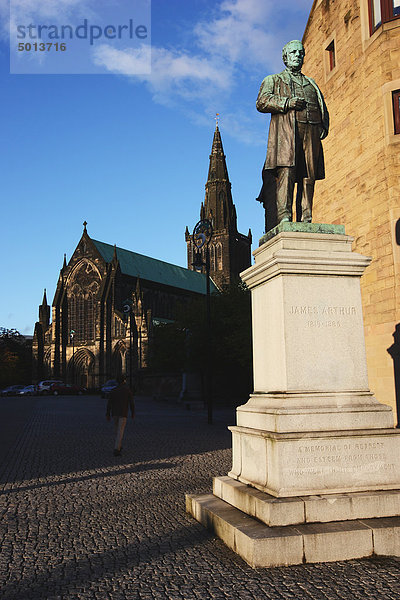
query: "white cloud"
22, 12
247, 10
177, 75
243, 127
251, 32
169, 65
132, 61
237, 121
225, 52
173, 74
236, 36
45, 9
239, 31
240, 43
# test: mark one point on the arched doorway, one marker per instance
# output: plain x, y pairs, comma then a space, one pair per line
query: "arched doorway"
81, 368
118, 360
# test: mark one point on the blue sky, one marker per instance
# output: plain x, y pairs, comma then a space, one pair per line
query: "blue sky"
129, 153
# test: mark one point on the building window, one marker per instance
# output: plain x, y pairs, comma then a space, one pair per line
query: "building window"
82, 315
119, 327
396, 111
382, 11
212, 258
397, 232
219, 257
331, 56
375, 14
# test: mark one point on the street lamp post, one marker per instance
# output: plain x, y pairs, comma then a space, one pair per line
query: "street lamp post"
72, 336
202, 234
128, 311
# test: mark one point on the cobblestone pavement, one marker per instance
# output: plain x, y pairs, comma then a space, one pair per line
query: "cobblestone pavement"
79, 523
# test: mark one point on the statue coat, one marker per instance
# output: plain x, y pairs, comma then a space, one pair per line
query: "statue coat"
273, 97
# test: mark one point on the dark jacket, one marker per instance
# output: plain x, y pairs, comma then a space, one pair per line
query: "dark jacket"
273, 98
120, 399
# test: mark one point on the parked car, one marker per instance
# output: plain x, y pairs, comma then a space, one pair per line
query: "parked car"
28, 390
62, 389
107, 387
12, 390
44, 386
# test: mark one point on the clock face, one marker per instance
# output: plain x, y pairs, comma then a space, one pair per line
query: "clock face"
202, 233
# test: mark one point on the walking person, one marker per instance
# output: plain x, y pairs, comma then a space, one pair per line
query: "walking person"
120, 399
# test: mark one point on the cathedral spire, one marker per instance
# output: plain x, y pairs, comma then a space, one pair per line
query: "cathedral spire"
114, 261
218, 200
229, 250
217, 168
44, 311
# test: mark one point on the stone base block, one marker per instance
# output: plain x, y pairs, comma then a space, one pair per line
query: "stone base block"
257, 544
307, 509
342, 540
386, 536
264, 507
263, 546
314, 463
350, 506
312, 411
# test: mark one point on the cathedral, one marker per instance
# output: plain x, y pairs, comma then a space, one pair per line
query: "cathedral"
109, 299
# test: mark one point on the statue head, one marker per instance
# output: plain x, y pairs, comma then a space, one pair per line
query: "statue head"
293, 55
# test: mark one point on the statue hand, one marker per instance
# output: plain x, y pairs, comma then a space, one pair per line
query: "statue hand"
297, 103
322, 133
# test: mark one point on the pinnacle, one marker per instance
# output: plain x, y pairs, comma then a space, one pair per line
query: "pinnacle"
217, 147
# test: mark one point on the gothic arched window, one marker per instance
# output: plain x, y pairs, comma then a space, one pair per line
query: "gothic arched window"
82, 316
212, 258
82, 294
219, 257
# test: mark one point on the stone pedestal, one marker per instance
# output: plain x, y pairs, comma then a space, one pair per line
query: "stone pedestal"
312, 428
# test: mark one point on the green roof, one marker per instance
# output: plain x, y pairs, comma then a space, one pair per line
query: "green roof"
152, 269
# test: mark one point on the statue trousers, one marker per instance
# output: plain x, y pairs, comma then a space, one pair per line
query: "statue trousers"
306, 160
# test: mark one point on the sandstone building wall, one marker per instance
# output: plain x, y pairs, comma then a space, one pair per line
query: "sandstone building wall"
362, 185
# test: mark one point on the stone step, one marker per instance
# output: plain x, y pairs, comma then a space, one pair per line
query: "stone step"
306, 509
263, 546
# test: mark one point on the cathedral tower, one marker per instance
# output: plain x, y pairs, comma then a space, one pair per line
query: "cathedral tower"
229, 249
44, 312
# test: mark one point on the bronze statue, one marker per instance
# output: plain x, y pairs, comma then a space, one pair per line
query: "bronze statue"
299, 121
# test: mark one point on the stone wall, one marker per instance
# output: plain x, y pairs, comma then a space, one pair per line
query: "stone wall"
362, 185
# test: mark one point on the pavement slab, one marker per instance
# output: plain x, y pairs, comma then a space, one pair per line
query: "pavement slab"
78, 523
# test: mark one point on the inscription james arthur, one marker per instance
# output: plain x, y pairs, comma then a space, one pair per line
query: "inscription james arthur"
323, 316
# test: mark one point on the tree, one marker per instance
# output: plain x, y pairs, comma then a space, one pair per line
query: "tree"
15, 357
184, 345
